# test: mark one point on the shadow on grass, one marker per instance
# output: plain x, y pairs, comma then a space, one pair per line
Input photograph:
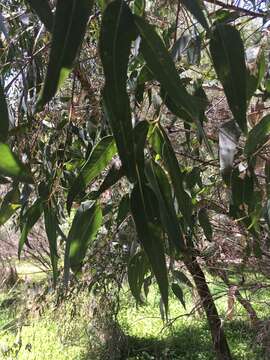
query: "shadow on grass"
194, 343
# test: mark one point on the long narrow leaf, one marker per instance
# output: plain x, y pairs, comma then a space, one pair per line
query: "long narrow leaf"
71, 18
161, 144
11, 166
227, 51
161, 64
44, 12
50, 220
258, 136
195, 8
84, 228
30, 218
117, 33
138, 267
144, 207
4, 118
161, 186
10, 204
99, 158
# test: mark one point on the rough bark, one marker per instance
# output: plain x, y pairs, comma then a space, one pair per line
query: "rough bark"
218, 336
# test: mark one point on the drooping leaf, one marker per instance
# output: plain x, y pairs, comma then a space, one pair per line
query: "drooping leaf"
162, 66
227, 51
255, 69
71, 18
237, 187
50, 220
195, 8
10, 204
4, 118
44, 12
161, 144
139, 7
117, 33
205, 224
193, 178
249, 195
181, 277
138, 267
11, 166
123, 210
83, 231
99, 158
140, 135
103, 3
258, 136
144, 209
29, 219
229, 134
178, 292
112, 177
161, 187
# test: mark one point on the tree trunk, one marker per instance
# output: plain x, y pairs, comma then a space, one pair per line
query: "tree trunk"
218, 336
245, 303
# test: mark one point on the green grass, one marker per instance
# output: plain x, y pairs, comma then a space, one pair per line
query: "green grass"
188, 337
63, 332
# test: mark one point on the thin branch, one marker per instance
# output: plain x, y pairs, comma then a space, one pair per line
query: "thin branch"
237, 8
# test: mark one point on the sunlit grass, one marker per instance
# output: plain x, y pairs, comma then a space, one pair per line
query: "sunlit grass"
58, 334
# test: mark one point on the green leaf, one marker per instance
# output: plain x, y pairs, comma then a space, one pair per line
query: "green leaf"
195, 8
237, 187
144, 211
205, 224
123, 209
161, 187
84, 228
117, 33
224, 16
29, 219
99, 158
258, 136
181, 277
113, 176
227, 51
102, 4
10, 204
161, 144
4, 118
139, 7
71, 18
161, 64
11, 166
178, 292
255, 71
50, 220
138, 267
44, 12
140, 135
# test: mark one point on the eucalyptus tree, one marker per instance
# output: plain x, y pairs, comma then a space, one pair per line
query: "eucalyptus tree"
50, 156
